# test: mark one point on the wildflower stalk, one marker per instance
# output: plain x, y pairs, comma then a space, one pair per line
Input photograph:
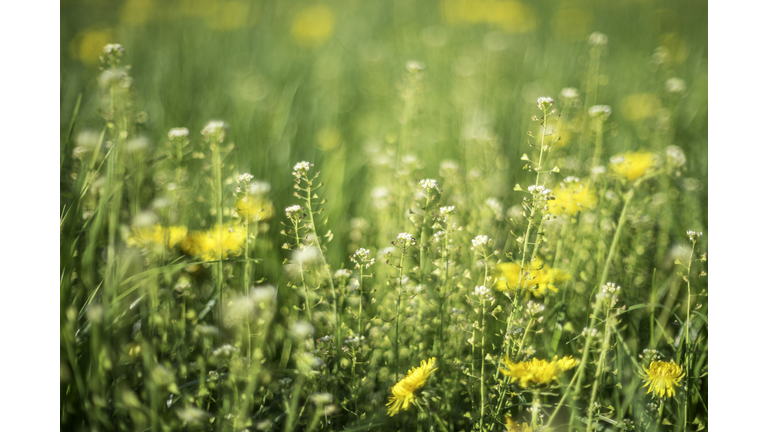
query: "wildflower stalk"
535, 407
482, 360
687, 334
397, 315
218, 203
301, 270
531, 218
599, 371
598, 142
246, 265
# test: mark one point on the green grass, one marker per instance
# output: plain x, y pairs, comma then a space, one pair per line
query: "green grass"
165, 338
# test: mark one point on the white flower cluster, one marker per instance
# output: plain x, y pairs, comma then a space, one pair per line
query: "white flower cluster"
444, 211
569, 94
326, 339
544, 103
675, 156
539, 190
496, 207
356, 340
650, 355
611, 288
360, 258
597, 39
293, 212
533, 308
482, 292
343, 274
214, 128
618, 159
321, 398
438, 235
428, 184
414, 66
226, 350
244, 178
480, 242
675, 85
404, 240
301, 168
178, 133
114, 50
571, 179
600, 112
693, 235
448, 168
598, 171
593, 333
610, 294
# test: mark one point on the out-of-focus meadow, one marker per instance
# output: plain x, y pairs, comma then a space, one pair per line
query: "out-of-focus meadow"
194, 297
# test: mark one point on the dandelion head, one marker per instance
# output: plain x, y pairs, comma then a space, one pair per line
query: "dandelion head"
633, 165
572, 197
537, 372
408, 391
662, 377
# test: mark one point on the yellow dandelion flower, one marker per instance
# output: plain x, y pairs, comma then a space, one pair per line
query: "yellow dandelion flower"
256, 208
633, 165
513, 426
313, 25
536, 281
157, 235
571, 198
537, 372
219, 241
662, 377
406, 392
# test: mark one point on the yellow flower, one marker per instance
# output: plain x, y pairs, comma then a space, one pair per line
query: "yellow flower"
662, 377
254, 207
405, 392
571, 198
633, 165
313, 25
537, 372
513, 426
88, 45
157, 235
536, 280
223, 241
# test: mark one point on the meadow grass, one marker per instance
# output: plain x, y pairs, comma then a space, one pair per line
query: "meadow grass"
451, 216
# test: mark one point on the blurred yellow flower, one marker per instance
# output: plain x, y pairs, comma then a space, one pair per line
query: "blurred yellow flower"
536, 281
88, 45
662, 377
572, 197
405, 392
633, 165
640, 106
255, 208
510, 16
217, 242
313, 25
157, 235
571, 22
513, 426
536, 372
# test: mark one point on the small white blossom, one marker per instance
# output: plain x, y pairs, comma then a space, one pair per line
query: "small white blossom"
495, 207
444, 211
428, 184
245, 178
321, 398
482, 292
569, 94
343, 274
611, 287
480, 242
544, 103
533, 308
178, 133
215, 128
414, 66
693, 235
114, 49
597, 39
598, 171
448, 168
294, 211
675, 85
675, 156
600, 112
590, 332
404, 240
301, 168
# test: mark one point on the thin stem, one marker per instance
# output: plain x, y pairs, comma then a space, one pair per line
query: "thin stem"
397, 316
599, 371
688, 338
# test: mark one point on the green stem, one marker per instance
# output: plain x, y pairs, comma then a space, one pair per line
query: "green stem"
397, 316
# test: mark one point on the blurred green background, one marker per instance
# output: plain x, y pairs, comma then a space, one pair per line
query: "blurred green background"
321, 81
